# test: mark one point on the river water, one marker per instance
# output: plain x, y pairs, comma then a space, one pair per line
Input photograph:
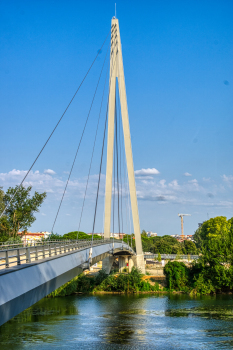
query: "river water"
123, 322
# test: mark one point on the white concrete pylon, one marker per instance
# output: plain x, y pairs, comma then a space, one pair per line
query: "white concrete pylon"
117, 71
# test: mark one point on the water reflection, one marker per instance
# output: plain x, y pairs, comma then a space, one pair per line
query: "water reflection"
120, 321
32, 325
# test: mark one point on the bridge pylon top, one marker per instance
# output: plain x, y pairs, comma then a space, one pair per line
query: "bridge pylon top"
117, 72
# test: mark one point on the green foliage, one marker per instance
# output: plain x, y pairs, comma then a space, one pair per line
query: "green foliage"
190, 247
1, 200
73, 235
159, 257
197, 238
13, 240
177, 276
213, 272
127, 283
144, 234
163, 244
20, 213
54, 237
3, 237
215, 227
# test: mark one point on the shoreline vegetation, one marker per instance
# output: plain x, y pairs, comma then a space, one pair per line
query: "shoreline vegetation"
212, 273
115, 283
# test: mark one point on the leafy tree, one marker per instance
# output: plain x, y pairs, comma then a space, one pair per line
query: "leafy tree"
74, 235
177, 276
215, 227
190, 247
144, 234
213, 271
1, 200
20, 213
197, 238
159, 257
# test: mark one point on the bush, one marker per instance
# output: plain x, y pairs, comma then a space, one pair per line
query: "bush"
126, 283
177, 276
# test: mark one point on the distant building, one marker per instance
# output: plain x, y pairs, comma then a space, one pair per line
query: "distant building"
185, 238
33, 236
98, 234
117, 235
151, 234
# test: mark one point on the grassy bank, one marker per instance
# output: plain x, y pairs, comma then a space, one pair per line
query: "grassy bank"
114, 283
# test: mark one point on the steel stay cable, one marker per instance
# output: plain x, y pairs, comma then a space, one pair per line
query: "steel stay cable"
120, 126
114, 179
118, 190
114, 170
101, 161
99, 179
126, 209
79, 143
99, 51
91, 157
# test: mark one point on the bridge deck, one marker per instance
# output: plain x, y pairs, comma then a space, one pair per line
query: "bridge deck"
23, 285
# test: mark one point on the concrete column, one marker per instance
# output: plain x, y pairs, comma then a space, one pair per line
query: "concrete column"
107, 264
122, 263
131, 263
117, 70
139, 262
128, 146
110, 144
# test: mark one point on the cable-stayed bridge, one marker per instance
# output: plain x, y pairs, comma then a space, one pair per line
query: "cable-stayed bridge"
28, 274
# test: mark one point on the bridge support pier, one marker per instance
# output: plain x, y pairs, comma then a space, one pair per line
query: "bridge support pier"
131, 263
107, 264
122, 262
139, 263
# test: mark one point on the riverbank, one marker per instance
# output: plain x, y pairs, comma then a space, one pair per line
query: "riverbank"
179, 279
118, 283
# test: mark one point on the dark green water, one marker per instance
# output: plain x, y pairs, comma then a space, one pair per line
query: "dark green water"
123, 322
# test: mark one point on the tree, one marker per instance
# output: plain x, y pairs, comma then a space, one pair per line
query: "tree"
1, 200
144, 234
177, 275
190, 247
20, 213
215, 227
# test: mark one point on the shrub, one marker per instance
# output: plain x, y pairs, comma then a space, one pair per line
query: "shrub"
177, 276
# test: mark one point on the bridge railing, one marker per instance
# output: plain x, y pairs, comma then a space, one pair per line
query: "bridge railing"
33, 243
12, 256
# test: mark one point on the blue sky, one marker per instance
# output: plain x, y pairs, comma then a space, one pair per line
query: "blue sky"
179, 77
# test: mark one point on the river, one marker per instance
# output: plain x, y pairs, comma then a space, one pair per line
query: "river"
123, 322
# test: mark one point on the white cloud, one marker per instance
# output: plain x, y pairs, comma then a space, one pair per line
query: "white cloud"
206, 179
187, 174
209, 194
147, 172
49, 172
174, 184
194, 181
163, 183
228, 179
53, 185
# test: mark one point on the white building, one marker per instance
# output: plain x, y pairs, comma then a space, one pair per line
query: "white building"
151, 234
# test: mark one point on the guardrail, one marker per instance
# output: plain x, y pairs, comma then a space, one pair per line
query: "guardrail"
172, 256
33, 243
43, 250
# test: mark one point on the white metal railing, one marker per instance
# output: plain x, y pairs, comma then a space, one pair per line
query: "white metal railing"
14, 254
